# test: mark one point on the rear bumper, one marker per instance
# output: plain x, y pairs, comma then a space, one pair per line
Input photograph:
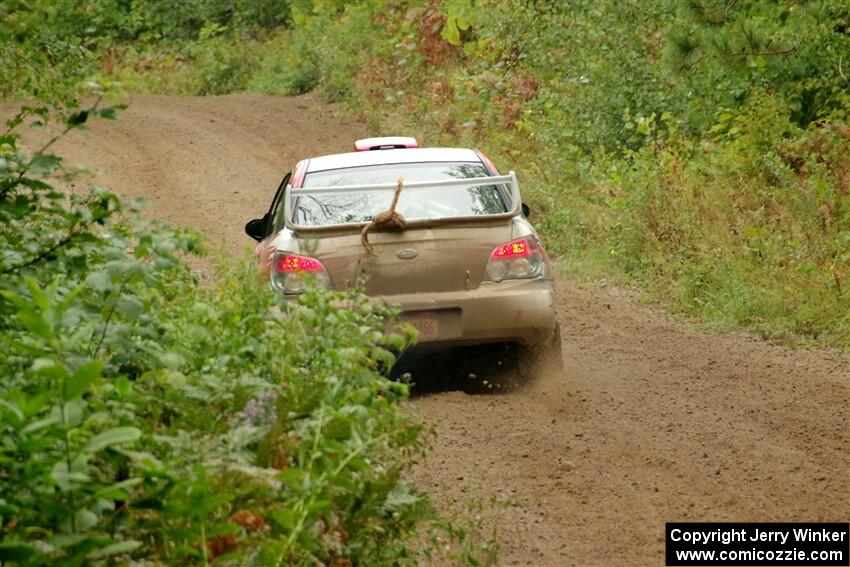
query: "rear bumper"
521, 311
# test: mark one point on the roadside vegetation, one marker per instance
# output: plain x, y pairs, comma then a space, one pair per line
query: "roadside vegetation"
150, 417
696, 148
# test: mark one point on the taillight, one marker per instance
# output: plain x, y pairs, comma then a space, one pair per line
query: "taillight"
518, 259
290, 272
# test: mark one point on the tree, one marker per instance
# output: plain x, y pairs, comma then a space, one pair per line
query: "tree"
799, 51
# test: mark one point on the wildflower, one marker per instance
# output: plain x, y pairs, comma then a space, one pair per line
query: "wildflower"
261, 410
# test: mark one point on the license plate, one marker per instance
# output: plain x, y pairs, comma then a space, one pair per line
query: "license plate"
428, 325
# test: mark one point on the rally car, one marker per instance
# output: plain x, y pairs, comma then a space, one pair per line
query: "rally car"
459, 256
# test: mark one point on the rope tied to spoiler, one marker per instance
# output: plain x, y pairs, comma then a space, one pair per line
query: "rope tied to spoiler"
387, 220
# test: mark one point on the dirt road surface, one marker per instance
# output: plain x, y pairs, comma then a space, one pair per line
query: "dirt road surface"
651, 420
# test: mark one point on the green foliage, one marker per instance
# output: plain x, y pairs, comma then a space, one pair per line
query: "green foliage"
797, 50
73, 303
37, 53
460, 17
338, 32
287, 69
222, 67
44, 42
736, 230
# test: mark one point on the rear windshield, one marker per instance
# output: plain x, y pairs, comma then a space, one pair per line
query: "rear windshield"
317, 210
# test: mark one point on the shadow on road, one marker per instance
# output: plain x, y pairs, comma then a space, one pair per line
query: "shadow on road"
484, 369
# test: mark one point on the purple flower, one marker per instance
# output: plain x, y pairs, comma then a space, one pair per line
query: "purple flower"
261, 410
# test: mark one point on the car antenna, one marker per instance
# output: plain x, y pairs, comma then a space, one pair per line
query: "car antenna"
389, 219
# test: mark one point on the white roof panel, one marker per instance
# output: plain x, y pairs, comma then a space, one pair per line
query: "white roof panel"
378, 157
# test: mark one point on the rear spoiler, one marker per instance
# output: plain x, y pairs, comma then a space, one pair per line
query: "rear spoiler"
509, 180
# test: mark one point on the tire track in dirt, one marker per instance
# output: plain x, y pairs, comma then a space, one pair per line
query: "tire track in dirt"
651, 420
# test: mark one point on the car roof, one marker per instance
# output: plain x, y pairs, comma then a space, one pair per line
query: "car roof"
380, 157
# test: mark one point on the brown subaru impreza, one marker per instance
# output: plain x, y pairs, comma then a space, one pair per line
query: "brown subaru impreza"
436, 231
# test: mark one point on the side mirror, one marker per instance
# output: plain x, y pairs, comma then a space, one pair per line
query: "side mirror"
525, 210
256, 228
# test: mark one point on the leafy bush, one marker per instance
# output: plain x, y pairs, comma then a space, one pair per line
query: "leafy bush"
222, 67
37, 53
284, 69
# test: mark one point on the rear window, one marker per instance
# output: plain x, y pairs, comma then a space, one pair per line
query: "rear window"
317, 210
